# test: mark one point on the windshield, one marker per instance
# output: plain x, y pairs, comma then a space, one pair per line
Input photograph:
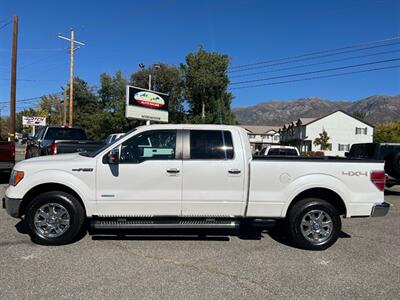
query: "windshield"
282, 151
94, 153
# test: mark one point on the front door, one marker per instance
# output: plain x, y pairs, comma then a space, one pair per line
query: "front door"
147, 181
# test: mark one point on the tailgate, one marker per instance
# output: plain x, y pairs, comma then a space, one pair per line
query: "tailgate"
64, 146
7, 152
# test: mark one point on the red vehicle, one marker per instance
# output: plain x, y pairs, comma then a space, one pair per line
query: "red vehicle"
7, 156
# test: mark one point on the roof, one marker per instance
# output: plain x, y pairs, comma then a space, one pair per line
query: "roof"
342, 111
260, 129
305, 121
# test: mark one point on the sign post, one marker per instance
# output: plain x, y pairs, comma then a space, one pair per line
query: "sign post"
33, 121
146, 105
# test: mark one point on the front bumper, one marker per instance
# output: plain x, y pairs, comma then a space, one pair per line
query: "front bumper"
12, 206
380, 210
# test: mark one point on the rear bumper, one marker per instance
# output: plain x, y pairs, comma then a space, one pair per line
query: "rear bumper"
12, 206
380, 210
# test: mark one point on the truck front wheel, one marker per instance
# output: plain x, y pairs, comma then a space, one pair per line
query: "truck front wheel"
54, 218
314, 224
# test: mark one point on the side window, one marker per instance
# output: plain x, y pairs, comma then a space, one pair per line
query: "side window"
39, 133
149, 145
211, 144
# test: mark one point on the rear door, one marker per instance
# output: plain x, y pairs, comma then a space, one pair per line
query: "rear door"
213, 181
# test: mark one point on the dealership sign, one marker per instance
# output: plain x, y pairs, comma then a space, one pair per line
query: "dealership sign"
33, 121
144, 104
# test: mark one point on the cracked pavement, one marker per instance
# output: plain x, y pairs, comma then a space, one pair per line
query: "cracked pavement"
364, 264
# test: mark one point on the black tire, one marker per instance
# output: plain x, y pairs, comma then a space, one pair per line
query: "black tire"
305, 208
76, 216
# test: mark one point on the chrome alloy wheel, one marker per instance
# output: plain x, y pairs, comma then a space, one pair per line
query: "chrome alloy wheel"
316, 226
51, 220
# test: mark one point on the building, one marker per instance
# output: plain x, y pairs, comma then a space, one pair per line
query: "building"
343, 130
262, 136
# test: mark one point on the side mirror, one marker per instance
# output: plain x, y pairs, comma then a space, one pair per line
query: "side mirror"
112, 157
346, 154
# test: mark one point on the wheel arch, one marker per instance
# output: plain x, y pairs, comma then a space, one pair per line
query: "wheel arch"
47, 187
322, 193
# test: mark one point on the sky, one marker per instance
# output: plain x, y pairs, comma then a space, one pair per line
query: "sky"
121, 34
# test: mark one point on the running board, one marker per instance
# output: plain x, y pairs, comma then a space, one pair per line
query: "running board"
132, 223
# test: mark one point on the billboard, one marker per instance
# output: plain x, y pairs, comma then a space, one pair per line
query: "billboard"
33, 121
145, 104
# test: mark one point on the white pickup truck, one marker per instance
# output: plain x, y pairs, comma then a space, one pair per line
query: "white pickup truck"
191, 176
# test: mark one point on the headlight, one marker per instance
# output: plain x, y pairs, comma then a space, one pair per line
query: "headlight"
16, 177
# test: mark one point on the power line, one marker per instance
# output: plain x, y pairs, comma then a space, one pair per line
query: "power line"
6, 24
320, 52
315, 64
315, 77
36, 80
318, 71
30, 99
313, 57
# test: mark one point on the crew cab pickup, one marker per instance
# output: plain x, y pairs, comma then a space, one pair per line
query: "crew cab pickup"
7, 156
191, 176
53, 140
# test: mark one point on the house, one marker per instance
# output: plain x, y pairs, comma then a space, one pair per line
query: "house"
262, 136
342, 128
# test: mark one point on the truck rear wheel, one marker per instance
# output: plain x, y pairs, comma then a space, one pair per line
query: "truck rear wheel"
314, 224
54, 218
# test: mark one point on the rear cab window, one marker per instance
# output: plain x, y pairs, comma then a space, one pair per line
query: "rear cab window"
65, 134
211, 144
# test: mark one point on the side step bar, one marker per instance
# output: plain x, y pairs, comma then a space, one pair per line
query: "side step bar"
132, 223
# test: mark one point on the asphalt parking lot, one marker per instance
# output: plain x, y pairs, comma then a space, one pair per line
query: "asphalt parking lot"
364, 263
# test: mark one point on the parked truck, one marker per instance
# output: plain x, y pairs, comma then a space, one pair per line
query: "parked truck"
192, 176
388, 152
53, 140
7, 156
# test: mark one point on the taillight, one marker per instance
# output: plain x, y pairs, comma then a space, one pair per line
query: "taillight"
378, 178
53, 149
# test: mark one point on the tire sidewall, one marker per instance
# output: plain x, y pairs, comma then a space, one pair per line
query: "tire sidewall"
74, 209
297, 214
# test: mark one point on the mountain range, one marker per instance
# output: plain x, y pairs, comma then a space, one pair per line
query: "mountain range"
378, 109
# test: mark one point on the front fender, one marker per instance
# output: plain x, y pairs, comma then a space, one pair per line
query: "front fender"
82, 184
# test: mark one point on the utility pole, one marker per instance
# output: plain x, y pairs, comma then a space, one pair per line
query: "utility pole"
65, 106
13, 78
0, 123
71, 72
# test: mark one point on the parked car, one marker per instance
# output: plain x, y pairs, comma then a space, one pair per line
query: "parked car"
7, 156
389, 152
280, 150
53, 140
112, 137
192, 176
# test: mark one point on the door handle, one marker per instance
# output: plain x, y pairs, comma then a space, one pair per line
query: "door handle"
173, 171
234, 171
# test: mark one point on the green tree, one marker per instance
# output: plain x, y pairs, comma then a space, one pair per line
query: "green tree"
50, 107
387, 132
206, 83
166, 79
322, 140
360, 115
